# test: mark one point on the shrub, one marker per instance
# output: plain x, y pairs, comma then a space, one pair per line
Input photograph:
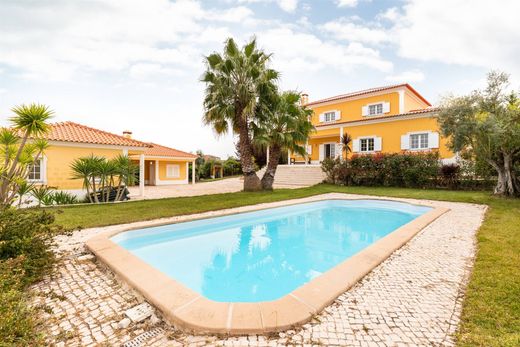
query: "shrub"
423, 170
28, 234
17, 323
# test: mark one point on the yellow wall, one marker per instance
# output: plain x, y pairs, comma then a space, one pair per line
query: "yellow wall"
411, 103
391, 132
351, 110
182, 170
59, 159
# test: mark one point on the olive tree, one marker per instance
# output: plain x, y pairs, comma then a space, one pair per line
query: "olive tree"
486, 124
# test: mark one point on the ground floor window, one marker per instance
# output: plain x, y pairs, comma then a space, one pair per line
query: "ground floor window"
35, 171
173, 171
366, 145
419, 141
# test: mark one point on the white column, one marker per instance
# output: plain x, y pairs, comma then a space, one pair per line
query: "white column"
289, 157
141, 175
267, 156
193, 172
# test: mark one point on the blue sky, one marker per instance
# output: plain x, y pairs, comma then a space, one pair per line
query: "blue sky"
129, 64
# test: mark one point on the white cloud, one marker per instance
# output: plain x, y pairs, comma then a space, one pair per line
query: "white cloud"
297, 51
347, 3
286, 5
347, 29
481, 33
148, 70
406, 76
55, 40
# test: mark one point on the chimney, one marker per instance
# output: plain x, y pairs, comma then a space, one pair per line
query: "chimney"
304, 98
127, 134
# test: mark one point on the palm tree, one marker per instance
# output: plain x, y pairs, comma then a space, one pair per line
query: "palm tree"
238, 82
286, 127
345, 141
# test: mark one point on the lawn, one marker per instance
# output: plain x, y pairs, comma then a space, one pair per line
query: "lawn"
491, 311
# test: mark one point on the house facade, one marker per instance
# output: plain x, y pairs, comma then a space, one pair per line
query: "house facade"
158, 165
389, 119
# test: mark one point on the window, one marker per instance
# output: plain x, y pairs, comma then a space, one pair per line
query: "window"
329, 116
35, 171
366, 145
330, 150
172, 171
375, 109
419, 141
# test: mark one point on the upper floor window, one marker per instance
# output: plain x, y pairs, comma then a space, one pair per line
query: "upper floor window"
329, 116
419, 141
366, 145
375, 109
35, 171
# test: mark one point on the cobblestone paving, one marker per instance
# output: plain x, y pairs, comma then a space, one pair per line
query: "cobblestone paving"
413, 298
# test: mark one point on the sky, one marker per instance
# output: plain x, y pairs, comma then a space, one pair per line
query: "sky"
136, 64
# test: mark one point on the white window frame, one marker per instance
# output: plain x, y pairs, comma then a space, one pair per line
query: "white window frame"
176, 170
43, 172
367, 138
331, 115
419, 136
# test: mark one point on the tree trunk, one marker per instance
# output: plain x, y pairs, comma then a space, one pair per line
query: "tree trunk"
505, 182
251, 181
274, 157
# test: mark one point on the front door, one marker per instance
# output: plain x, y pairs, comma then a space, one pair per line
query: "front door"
151, 177
330, 150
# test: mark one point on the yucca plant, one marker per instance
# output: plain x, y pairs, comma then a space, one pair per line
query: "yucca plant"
17, 153
44, 195
64, 198
102, 177
24, 188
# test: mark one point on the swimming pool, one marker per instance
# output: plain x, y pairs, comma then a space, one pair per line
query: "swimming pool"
264, 255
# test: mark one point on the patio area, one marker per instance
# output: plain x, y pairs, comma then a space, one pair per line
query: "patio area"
226, 185
412, 298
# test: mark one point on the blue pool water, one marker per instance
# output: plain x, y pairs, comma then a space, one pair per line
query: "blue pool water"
264, 255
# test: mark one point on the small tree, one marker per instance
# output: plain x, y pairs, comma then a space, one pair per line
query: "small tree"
486, 124
18, 152
286, 125
345, 141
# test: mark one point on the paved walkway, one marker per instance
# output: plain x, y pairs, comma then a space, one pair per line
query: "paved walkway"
413, 298
227, 185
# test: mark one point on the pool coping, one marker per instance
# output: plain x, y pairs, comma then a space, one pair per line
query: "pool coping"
193, 312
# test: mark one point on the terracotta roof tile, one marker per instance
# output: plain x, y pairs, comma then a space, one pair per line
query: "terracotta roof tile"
78, 133
162, 151
368, 118
369, 91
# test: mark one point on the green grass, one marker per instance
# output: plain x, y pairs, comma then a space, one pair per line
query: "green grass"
491, 310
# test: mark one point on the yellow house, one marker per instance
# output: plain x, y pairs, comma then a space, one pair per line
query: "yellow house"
387, 119
158, 165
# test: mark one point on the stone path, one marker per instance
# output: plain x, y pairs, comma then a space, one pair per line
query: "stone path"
227, 185
413, 298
